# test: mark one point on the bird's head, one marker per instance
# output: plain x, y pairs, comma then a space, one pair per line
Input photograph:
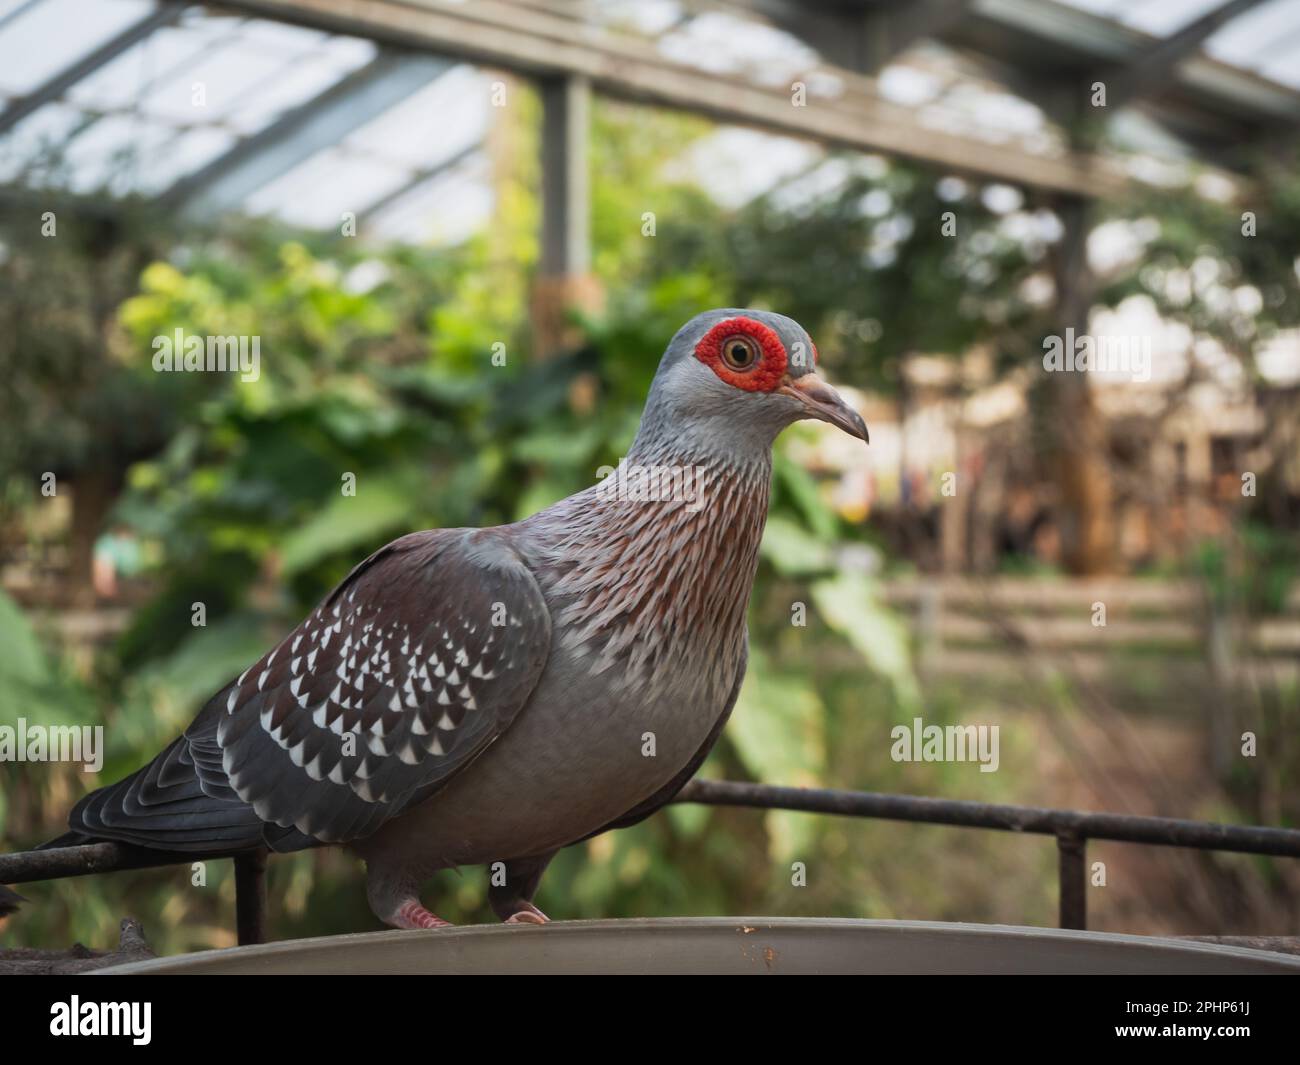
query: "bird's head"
733, 379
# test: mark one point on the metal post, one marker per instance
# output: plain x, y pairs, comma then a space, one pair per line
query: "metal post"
564, 281
250, 897
1072, 854
566, 198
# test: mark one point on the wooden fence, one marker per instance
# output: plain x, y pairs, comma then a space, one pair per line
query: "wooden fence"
969, 627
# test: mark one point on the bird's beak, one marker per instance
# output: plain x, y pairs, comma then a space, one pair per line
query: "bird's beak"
825, 404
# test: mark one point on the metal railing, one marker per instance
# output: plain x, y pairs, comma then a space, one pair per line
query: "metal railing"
1071, 828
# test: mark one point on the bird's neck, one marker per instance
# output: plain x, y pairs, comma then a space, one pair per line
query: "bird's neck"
656, 563
725, 462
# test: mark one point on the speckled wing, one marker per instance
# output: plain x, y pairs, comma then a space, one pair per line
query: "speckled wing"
414, 664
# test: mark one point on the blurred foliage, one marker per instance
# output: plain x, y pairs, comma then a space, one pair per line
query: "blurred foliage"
1224, 267
377, 362
866, 266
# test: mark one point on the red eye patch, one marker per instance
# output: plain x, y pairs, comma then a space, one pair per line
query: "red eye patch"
717, 352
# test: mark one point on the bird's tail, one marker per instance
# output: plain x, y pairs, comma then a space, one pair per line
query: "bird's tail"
180, 801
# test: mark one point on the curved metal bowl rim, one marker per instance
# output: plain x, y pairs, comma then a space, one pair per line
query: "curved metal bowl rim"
615, 929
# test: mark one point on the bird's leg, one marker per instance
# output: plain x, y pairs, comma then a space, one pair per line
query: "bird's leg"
395, 900
411, 914
512, 885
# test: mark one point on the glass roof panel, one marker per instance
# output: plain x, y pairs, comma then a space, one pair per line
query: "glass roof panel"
441, 119
281, 37
294, 85
1103, 8
165, 52
11, 9
443, 210
111, 150
207, 90
66, 31
1160, 18
725, 43
38, 137
1265, 39
318, 191
182, 156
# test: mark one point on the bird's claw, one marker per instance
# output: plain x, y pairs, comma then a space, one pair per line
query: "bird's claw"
529, 914
413, 915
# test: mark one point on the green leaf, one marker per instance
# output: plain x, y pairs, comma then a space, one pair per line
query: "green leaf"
777, 731
806, 495
208, 658
553, 447
21, 658
851, 606
793, 551
31, 686
381, 505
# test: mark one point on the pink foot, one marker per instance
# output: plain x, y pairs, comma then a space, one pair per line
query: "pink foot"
527, 914
413, 915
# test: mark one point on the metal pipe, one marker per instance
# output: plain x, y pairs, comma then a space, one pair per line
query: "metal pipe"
86, 859
250, 897
1124, 828
1072, 829
1072, 872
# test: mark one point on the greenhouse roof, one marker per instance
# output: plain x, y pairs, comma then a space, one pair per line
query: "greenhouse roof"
303, 110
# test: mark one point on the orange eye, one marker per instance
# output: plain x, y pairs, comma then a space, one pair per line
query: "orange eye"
744, 353
740, 352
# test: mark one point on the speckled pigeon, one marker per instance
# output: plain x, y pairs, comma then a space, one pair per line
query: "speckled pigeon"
483, 696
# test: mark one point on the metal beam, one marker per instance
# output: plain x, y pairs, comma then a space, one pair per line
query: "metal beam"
1153, 66
895, 29
543, 44
1059, 38
861, 39
58, 84
320, 123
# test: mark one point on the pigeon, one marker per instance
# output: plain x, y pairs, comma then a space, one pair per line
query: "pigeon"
490, 696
